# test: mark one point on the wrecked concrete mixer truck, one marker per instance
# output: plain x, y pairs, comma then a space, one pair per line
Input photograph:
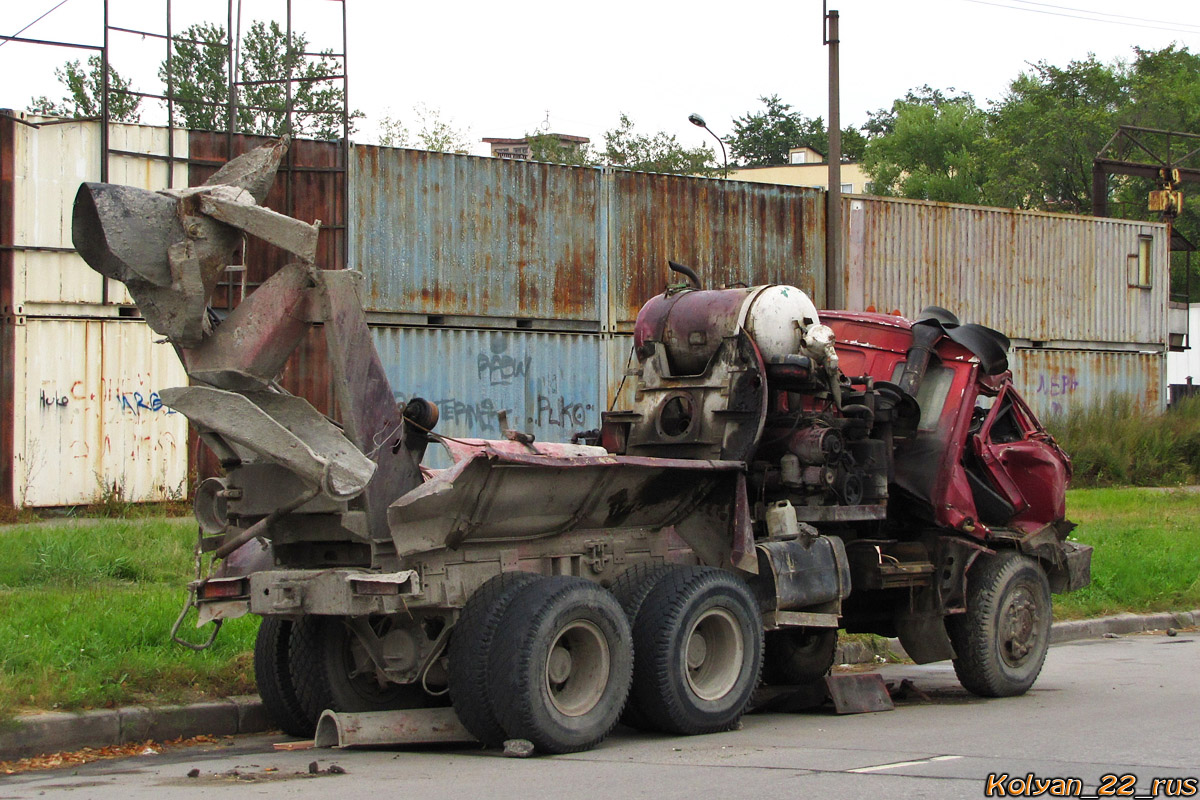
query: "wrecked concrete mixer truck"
780, 474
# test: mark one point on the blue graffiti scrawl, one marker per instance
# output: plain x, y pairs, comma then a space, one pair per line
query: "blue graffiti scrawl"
134, 403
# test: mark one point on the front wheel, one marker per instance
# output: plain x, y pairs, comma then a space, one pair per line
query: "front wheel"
1002, 639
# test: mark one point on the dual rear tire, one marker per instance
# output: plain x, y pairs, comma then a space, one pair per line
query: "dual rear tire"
552, 660
699, 646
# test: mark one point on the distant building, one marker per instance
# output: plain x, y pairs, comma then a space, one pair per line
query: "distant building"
805, 167
518, 149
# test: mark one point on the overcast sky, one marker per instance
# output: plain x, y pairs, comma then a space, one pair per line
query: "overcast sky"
499, 69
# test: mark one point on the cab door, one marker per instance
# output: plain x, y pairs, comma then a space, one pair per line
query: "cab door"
1022, 463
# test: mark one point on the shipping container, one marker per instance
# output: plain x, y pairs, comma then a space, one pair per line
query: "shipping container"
496, 285
472, 240
89, 424
1057, 382
439, 234
50, 162
552, 385
729, 232
1049, 278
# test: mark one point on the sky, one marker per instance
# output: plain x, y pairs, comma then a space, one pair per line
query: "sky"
507, 69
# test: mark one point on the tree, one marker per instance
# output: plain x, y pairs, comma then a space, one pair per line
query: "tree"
199, 74
201, 78
764, 138
660, 152
433, 132
883, 121
85, 89
934, 151
1047, 130
548, 148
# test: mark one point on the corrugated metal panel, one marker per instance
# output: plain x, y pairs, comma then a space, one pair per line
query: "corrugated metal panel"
550, 384
437, 233
88, 414
1032, 275
621, 388
51, 162
1056, 382
728, 231
308, 186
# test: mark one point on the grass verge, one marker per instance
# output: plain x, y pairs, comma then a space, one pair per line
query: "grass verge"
85, 612
1118, 444
1147, 551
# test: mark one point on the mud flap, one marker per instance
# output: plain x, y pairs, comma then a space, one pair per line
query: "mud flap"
1078, 570
923, 635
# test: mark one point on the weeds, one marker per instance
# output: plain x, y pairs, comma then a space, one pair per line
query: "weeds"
1117, 444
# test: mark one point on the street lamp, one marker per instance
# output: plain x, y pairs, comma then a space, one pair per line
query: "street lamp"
699, 122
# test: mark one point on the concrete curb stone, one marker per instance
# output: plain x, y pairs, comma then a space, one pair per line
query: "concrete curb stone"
58, 731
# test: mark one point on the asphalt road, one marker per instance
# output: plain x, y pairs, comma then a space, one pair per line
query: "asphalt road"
1127, 706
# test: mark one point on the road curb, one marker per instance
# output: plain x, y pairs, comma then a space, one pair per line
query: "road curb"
59, 731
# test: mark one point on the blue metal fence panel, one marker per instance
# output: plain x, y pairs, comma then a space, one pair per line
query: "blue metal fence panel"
550, 384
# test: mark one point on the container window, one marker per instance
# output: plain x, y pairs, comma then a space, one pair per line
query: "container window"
1143, 263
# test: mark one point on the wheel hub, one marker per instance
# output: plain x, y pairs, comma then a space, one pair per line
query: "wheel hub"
559, 667
577, 668
714, 654
697, 651
1019, 627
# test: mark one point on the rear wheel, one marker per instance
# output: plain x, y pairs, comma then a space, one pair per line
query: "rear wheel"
354, 684
796, 656
306, 666
560, 665
631, 589
699, 646
1002, 639
272, 673
471, 648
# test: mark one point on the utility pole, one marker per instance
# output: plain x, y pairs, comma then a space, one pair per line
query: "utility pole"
834, 294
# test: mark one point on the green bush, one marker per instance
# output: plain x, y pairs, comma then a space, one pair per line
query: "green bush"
1118, 444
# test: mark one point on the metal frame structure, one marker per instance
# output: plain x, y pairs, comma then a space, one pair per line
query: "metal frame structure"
233, 25
1161, 166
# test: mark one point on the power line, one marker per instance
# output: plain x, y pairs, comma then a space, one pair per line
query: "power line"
1077, 16
35, 22
1107, 14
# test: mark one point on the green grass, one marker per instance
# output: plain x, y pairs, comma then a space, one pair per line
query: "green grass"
1117, 444
85, 611
1147, 551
